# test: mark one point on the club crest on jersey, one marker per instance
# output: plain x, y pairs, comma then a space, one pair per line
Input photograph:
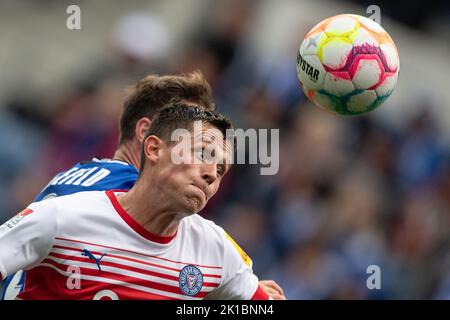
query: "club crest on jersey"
190, 280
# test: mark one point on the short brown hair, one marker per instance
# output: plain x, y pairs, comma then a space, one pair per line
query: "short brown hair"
149, 95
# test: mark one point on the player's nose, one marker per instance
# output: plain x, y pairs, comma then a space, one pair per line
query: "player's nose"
208, 172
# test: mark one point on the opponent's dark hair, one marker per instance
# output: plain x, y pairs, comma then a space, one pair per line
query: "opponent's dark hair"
149, 95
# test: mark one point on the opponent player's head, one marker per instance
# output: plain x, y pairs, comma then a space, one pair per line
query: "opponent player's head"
149, 95
186, 185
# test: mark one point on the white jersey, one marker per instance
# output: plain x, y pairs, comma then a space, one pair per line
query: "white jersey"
86, 246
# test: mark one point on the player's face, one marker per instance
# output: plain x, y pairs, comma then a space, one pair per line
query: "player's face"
193, 183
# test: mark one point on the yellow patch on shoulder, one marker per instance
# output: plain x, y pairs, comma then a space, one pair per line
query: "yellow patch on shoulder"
242, 253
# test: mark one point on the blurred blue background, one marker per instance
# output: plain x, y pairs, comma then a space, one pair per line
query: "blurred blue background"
351, 192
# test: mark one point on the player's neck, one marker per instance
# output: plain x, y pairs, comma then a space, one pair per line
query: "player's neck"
127, 152
148, 209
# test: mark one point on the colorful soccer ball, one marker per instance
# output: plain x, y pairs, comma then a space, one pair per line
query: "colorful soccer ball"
348, 65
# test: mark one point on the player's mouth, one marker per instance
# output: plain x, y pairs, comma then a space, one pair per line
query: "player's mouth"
202, 189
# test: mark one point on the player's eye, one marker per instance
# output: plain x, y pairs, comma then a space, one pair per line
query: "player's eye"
199, 152
220, 170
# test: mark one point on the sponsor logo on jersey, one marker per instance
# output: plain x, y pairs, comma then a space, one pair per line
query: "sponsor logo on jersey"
190, 280
85, 177
25, 212
11, 223
242, 253
88, 254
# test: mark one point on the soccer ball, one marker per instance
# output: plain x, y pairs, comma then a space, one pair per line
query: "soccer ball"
348, 65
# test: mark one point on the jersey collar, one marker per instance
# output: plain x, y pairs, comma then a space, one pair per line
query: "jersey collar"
133, 224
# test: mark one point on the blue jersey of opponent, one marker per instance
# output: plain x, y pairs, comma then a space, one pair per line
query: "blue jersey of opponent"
94, 175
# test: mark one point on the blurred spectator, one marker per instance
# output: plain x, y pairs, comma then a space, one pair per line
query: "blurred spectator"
421, 156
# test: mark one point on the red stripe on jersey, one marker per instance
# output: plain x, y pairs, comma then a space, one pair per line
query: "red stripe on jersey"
260, 294
122, 257
44, 283
126, 279
125, 267
134, 225
116, 265
133, 260
138, 253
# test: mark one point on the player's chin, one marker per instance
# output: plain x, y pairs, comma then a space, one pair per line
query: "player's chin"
194, 204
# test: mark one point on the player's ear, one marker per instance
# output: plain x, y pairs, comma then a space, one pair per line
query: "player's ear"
152, 148
141, 128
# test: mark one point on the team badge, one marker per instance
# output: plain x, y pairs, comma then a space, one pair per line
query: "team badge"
190, 280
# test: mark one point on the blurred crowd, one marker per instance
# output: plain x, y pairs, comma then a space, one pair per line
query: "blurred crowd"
350, 193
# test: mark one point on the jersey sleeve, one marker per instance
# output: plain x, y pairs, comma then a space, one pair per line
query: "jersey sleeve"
26, 239
239, 282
